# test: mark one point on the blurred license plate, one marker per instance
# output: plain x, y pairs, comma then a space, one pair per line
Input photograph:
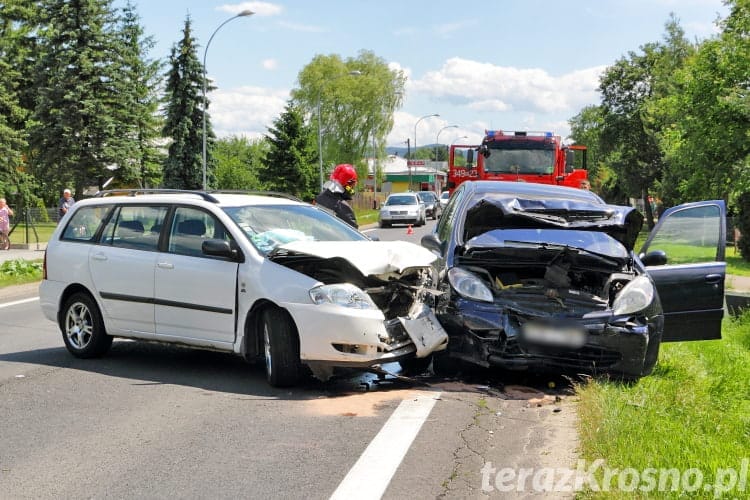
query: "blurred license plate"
565, 336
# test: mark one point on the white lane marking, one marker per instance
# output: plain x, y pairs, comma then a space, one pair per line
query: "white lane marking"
372, 473
368, 230
17, 302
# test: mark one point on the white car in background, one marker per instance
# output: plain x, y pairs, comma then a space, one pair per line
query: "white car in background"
261, 276
444, 197
402, 208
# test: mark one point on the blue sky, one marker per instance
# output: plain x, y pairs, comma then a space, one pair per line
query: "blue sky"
521, 65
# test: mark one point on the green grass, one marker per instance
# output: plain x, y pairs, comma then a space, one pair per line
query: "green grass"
19, 271
692, 412
366, 216
43, 229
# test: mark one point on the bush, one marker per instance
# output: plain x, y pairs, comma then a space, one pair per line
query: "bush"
20, 267
743, 224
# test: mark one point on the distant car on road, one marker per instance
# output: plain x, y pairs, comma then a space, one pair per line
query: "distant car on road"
402, 208
431, 204
539, 277
444, 197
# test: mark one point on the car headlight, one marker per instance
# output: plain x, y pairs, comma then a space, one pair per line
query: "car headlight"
469, 285
342, 294
634, 297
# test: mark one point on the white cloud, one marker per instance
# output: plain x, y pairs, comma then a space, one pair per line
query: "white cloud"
246, 111
490, 105
394, 66
258, 8
427, 130
466, 82
270, 64
305, 28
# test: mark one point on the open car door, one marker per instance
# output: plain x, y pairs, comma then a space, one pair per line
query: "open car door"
690, 280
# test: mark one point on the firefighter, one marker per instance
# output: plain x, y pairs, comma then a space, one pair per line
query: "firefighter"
337, 191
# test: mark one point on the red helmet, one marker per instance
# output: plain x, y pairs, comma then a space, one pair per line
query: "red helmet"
344, 174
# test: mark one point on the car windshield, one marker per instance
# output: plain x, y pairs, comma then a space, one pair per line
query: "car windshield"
402, 200
520, 161
268, 226
427, 197
445, 195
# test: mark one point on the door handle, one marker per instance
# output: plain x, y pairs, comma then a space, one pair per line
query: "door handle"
99, 256
713, 278
165, 265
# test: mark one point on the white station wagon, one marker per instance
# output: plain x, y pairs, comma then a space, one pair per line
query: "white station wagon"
260, 275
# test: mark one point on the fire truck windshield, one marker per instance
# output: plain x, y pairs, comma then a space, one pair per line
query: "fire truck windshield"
520, 161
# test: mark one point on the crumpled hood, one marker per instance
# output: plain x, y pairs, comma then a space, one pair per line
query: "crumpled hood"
620, 222
369, 257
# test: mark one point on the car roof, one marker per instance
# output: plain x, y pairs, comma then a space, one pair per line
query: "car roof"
174, 196
402, 194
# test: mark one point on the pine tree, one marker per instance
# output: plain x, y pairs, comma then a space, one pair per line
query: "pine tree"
74, 137
138, 123
290, 165
12, 115
183, 168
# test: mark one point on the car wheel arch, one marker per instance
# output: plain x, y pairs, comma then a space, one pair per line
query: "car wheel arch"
252, 339
69, 291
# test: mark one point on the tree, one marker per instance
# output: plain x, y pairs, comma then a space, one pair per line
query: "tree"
183, 168
139, 125
354, 110
708, 144
631, 127
238, 161
290, 164
74, 137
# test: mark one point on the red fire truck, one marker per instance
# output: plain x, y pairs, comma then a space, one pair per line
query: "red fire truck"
518, 156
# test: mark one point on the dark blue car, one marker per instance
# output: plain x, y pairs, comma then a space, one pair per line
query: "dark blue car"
545, 277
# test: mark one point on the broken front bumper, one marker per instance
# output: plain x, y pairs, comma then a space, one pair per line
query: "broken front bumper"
489, 335
338, 336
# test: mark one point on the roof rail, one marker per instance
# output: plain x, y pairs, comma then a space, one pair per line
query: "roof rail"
275, 194
135, 192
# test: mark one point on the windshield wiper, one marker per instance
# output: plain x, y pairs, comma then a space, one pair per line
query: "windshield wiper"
541, 245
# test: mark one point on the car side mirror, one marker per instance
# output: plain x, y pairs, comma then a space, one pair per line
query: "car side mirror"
373, 237
654, 258
432, 243
220, 248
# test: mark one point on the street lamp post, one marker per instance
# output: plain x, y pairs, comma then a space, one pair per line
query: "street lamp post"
415, 135
437, 147
320, 131
244, 13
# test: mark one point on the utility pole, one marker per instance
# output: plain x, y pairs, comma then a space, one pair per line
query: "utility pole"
408, 161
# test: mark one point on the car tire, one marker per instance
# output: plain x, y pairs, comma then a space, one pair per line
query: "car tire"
82, 327
280, 347
444, 365
415, 366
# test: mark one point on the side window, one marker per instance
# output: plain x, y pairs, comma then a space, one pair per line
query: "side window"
690, 235
190, 228
136, 227
85, 223
447, 220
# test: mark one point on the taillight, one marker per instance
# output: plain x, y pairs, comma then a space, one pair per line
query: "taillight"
44, 266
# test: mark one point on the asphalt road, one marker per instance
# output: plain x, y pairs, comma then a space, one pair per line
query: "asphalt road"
156, 421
